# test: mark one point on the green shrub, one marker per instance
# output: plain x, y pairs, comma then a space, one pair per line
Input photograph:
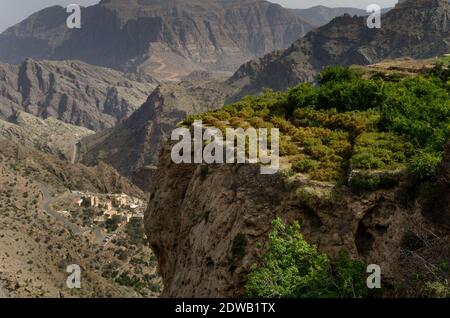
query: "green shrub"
424, 164
301, 96
292, 268
367, 183
367, 161
350, 96
284, 125
288, 148
333, 74
305, 165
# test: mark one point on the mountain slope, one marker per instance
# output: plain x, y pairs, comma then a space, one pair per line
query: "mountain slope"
35, 246
50, 135
417, 29
135, 143
71, 91
167, 39
321, 15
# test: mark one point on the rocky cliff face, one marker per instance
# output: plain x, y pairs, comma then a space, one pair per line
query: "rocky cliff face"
167, 39
206, 224
417, 29
71, 91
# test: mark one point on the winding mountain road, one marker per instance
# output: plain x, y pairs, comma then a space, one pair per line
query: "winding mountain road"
170, 76
75, 229
48, 199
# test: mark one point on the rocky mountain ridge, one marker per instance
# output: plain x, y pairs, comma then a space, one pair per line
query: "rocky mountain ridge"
135, 143
71, 91
321, 15
167, 39
416, 29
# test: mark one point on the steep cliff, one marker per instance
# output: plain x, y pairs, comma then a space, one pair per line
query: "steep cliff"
363, 168
321, 15
196, 223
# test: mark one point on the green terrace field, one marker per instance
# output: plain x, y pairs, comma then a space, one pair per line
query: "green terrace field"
349, 123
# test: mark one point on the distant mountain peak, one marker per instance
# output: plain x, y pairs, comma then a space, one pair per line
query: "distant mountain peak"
166, 39
415, 28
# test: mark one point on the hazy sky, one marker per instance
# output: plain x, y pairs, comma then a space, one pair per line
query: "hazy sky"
13, 11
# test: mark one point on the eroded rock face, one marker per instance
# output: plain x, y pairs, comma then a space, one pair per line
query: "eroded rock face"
204, 224
71, 91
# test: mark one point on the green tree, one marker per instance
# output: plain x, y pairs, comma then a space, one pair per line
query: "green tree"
292, 268
336, 74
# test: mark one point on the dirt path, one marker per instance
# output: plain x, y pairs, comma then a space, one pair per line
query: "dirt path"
171, 76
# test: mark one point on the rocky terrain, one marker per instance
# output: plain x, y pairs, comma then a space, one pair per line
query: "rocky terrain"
47, 135
180, 36
71, 91
194, 229
36, 244
416, 29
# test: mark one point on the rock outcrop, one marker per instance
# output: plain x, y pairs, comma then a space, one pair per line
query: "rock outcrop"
197, 215
71, 91
167, 39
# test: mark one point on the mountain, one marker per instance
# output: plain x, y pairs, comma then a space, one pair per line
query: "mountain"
71, 91
167, 39
415, 28
346, 40
321, 15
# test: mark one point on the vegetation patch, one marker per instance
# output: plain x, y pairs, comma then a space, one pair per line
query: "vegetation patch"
372, 182
371, 124
292, 268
